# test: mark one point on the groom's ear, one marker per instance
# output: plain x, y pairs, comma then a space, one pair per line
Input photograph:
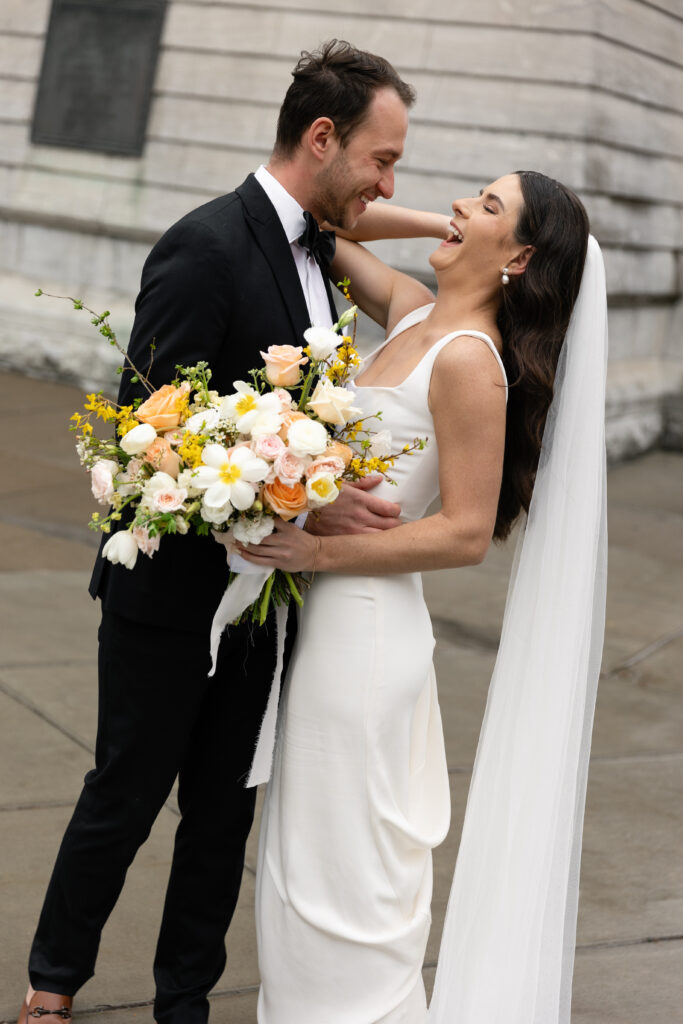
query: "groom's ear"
320, 137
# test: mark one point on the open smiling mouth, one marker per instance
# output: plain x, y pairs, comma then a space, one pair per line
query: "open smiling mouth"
455, 236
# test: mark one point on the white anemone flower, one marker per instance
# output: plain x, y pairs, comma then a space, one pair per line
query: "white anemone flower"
245, 406
229, 475
202, 422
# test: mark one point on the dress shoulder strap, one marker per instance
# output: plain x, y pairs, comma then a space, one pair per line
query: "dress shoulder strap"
410, 319
430, 358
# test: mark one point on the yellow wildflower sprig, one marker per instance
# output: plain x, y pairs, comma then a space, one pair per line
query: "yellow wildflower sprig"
103, 409
362, 465
190, 451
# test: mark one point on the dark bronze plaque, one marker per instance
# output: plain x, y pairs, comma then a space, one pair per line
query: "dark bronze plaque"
97, 74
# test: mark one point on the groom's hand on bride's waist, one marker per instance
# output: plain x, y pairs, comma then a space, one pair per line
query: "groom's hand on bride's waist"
356, 510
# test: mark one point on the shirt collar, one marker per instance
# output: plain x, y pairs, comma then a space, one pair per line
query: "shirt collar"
288, 210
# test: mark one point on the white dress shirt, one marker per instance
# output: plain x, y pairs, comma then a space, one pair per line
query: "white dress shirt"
291, 216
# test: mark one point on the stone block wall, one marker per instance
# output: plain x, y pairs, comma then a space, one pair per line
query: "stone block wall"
589, 91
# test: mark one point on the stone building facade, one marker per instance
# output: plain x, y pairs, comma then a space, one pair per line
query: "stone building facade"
589, 91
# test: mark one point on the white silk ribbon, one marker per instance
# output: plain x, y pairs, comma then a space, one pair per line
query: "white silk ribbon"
242, 592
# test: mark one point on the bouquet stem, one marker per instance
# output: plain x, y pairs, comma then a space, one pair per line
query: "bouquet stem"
265, 599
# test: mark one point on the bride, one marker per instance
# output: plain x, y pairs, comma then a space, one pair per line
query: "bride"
359, 794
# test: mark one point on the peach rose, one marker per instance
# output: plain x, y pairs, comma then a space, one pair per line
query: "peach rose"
336, 449
162, 409
161, 457
287, 420
286, 502
282, 364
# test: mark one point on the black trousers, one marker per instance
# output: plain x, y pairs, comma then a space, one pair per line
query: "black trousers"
160, 716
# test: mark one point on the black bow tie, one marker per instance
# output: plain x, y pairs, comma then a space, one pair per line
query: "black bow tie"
319, 244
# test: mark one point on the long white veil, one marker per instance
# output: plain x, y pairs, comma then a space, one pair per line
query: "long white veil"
507, 952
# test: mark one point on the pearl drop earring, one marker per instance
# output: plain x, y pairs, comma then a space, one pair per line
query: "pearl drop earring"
505, 277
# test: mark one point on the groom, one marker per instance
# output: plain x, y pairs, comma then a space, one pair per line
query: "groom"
227, 280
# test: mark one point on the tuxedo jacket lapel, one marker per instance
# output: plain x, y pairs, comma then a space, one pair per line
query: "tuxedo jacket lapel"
269, 235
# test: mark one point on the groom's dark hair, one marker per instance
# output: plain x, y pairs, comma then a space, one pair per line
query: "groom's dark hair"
337, 81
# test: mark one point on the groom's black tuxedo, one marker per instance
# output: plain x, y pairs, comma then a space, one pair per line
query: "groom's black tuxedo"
219, 286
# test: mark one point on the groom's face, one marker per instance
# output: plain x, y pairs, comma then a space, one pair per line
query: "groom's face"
357, 173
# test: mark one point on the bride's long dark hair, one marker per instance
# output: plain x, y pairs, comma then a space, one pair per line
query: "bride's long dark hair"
533, 319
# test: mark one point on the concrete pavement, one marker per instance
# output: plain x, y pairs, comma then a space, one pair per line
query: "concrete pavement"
629, 965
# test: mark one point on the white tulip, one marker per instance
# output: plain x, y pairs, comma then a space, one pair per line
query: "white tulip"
138, 439
347, 316
121, 548
321, 341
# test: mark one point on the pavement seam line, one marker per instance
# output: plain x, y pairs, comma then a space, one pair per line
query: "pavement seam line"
30, 706
38, 805
587, 947
644, 653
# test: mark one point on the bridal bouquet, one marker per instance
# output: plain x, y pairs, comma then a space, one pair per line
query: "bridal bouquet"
189, 459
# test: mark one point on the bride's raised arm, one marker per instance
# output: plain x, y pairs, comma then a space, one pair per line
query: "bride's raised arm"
382, 292
386, 220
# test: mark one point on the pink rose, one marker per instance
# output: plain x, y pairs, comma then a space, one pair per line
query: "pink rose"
102, 480
289, 468
283, 364
148, 545
285, 398
169, 500
332, 464
268, 447
133, 468
175, 436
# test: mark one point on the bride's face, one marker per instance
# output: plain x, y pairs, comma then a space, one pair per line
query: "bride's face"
482, 239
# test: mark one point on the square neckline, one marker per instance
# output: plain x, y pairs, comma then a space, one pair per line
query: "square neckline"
411, 315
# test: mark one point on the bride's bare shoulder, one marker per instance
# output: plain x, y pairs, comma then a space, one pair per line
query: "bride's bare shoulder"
466, 367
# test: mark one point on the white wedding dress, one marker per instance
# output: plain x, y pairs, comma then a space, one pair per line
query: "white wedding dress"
359, 794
